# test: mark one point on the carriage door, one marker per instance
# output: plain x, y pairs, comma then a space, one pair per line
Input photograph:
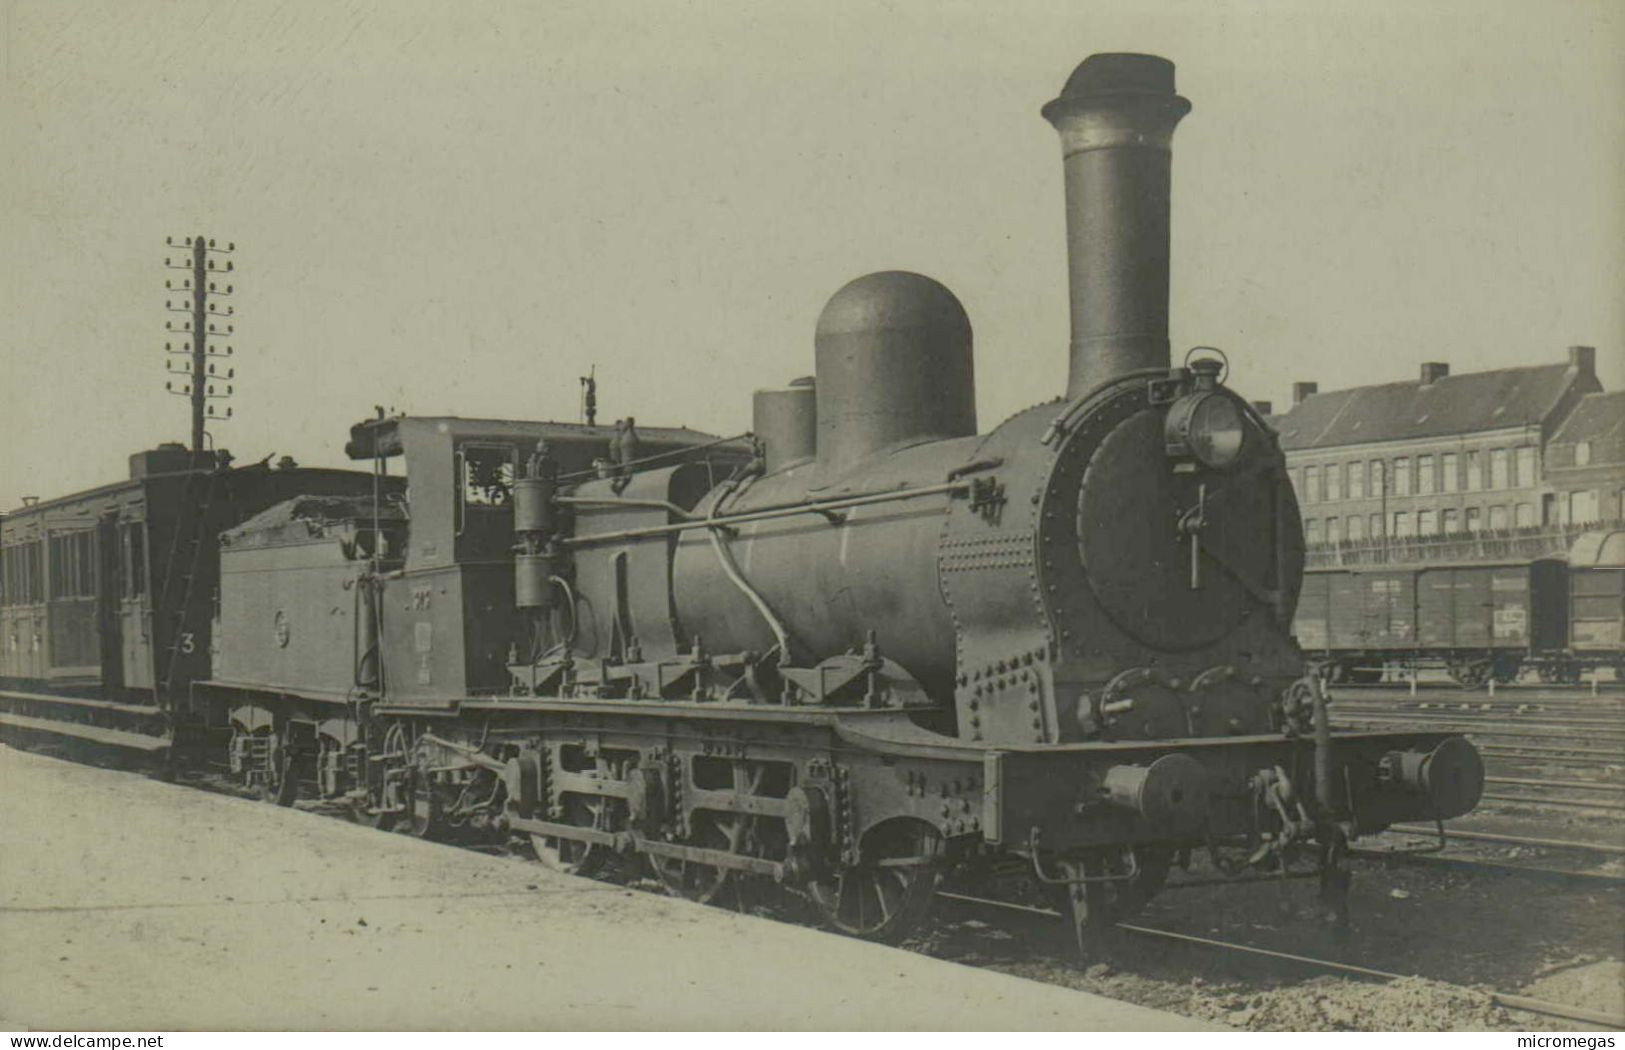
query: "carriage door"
109, 615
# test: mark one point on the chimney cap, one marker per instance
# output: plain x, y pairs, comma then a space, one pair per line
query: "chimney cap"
1303, 390
1116, 72
1433, 371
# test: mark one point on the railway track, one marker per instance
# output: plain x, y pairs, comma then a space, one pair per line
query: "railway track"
218, 781
1506, 1000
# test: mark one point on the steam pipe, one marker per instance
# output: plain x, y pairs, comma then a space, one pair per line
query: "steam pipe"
1116, 119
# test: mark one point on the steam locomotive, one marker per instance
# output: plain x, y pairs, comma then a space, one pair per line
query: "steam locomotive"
870, 645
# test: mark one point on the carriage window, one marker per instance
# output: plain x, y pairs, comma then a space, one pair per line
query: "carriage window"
73, 565
488, 473
135, 559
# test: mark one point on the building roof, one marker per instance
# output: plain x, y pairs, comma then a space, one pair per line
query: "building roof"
1595, 418
1459, 404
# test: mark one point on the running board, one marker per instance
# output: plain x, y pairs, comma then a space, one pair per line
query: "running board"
115, 738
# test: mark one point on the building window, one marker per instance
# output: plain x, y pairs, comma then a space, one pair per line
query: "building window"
1475, 520
1402, 525
1379, 477
1356, 528
1475, 473
1583, 507
1424, 475
1357, 481
1451, 522
1582, 454
1427, 523
1334, 530
1402, 476
1311, 530
1525, 515
1449, 467
1311, 484
1498, 517
1376, 526
1334, 482
1525, 474
1500, 469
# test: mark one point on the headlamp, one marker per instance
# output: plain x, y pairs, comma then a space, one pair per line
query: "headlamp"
1206, 426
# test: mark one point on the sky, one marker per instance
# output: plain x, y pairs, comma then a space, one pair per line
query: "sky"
460, 208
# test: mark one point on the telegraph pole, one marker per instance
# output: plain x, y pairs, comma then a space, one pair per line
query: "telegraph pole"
199, 384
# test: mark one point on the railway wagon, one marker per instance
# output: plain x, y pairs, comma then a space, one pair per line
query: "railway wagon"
1596, 613
1477, 621
881, 644
106, 595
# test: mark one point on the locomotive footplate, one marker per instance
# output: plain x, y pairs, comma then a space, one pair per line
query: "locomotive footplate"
1058, 799
1065, 798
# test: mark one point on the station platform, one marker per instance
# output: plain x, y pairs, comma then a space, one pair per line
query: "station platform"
130, 904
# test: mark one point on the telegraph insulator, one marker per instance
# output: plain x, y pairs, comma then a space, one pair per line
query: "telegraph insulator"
211, 242
169, 240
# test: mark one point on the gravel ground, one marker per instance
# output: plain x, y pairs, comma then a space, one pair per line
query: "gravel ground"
1456, 934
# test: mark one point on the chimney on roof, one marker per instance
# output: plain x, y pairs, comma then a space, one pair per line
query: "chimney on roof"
1300, 391
1264, 408
1583, 359
1433, 371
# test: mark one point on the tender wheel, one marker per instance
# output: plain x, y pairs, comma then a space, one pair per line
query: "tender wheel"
729, 832
279, 785
569, 856
886, 895
363, 813
422, 817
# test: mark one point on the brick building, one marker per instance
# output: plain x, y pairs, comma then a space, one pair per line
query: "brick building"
1585, 461
1479, 456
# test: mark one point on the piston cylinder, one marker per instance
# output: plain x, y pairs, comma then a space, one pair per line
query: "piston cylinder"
532, 586
533, 505
1116, 118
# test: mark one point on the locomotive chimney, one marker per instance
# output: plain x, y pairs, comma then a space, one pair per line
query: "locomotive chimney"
1116, 118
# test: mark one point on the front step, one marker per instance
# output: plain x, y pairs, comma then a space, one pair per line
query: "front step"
99, 735
102, 727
